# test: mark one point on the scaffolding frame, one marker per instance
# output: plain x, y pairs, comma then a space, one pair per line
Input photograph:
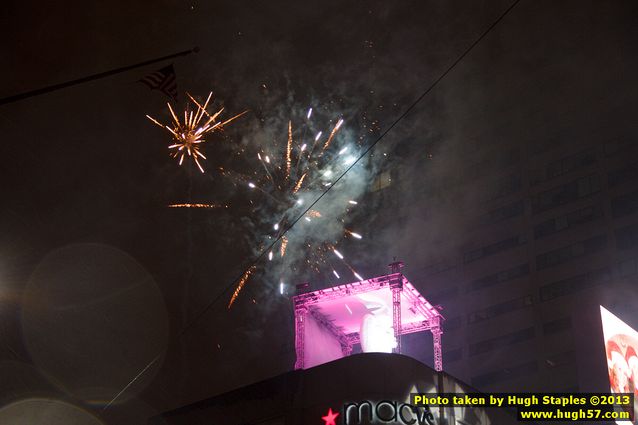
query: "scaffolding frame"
309, 304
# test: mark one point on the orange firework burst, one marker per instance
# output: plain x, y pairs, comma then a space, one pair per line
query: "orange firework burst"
189, 134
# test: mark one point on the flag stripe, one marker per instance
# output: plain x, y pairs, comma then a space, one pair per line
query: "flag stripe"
163, 80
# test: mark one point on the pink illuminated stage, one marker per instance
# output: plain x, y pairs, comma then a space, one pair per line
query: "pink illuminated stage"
373, 313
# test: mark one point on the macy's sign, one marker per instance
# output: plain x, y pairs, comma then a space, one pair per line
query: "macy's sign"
381, 412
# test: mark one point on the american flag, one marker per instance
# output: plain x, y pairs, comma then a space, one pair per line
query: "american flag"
164, 80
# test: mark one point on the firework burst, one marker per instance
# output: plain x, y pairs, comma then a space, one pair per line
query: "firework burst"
285, 180
190, 133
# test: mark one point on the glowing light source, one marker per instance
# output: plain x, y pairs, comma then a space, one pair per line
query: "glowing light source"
330, 417
349, 160
251, 185
377, 334
352, 202
270, 256
276, 226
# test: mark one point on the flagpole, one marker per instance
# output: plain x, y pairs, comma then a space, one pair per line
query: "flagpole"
44, 90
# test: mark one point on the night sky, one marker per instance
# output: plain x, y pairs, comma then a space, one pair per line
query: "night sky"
98, 276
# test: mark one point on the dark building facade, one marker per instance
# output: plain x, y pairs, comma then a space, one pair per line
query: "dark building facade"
515, 204
371, 388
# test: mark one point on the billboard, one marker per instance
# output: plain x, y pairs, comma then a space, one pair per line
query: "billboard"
621, 346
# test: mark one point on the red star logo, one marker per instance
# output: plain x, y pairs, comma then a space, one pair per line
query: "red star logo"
330, 417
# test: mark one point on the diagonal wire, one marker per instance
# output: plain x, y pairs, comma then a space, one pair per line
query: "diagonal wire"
341, 176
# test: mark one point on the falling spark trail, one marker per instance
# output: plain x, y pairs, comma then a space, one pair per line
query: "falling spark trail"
352, 202
337, 253
241, 284
309, 114
299, 183
267, 160
358, 276
354, 235
336, 274
194, 206
348, 308
314, 145
289, 150
332, 135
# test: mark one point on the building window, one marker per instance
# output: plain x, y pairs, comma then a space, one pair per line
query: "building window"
619, 146
556, 326
500, 309
512, 210
498, 159
569, 192
562, 359
627, 267
624, 205
453, 355
383, 180
501, 341
627, 237
502, 276
452, 324
571, 163
437, 268
494, 248
567, 221
570, 252
445, 294
517, 371
574, 284
504, 186
624, 174
545, 145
